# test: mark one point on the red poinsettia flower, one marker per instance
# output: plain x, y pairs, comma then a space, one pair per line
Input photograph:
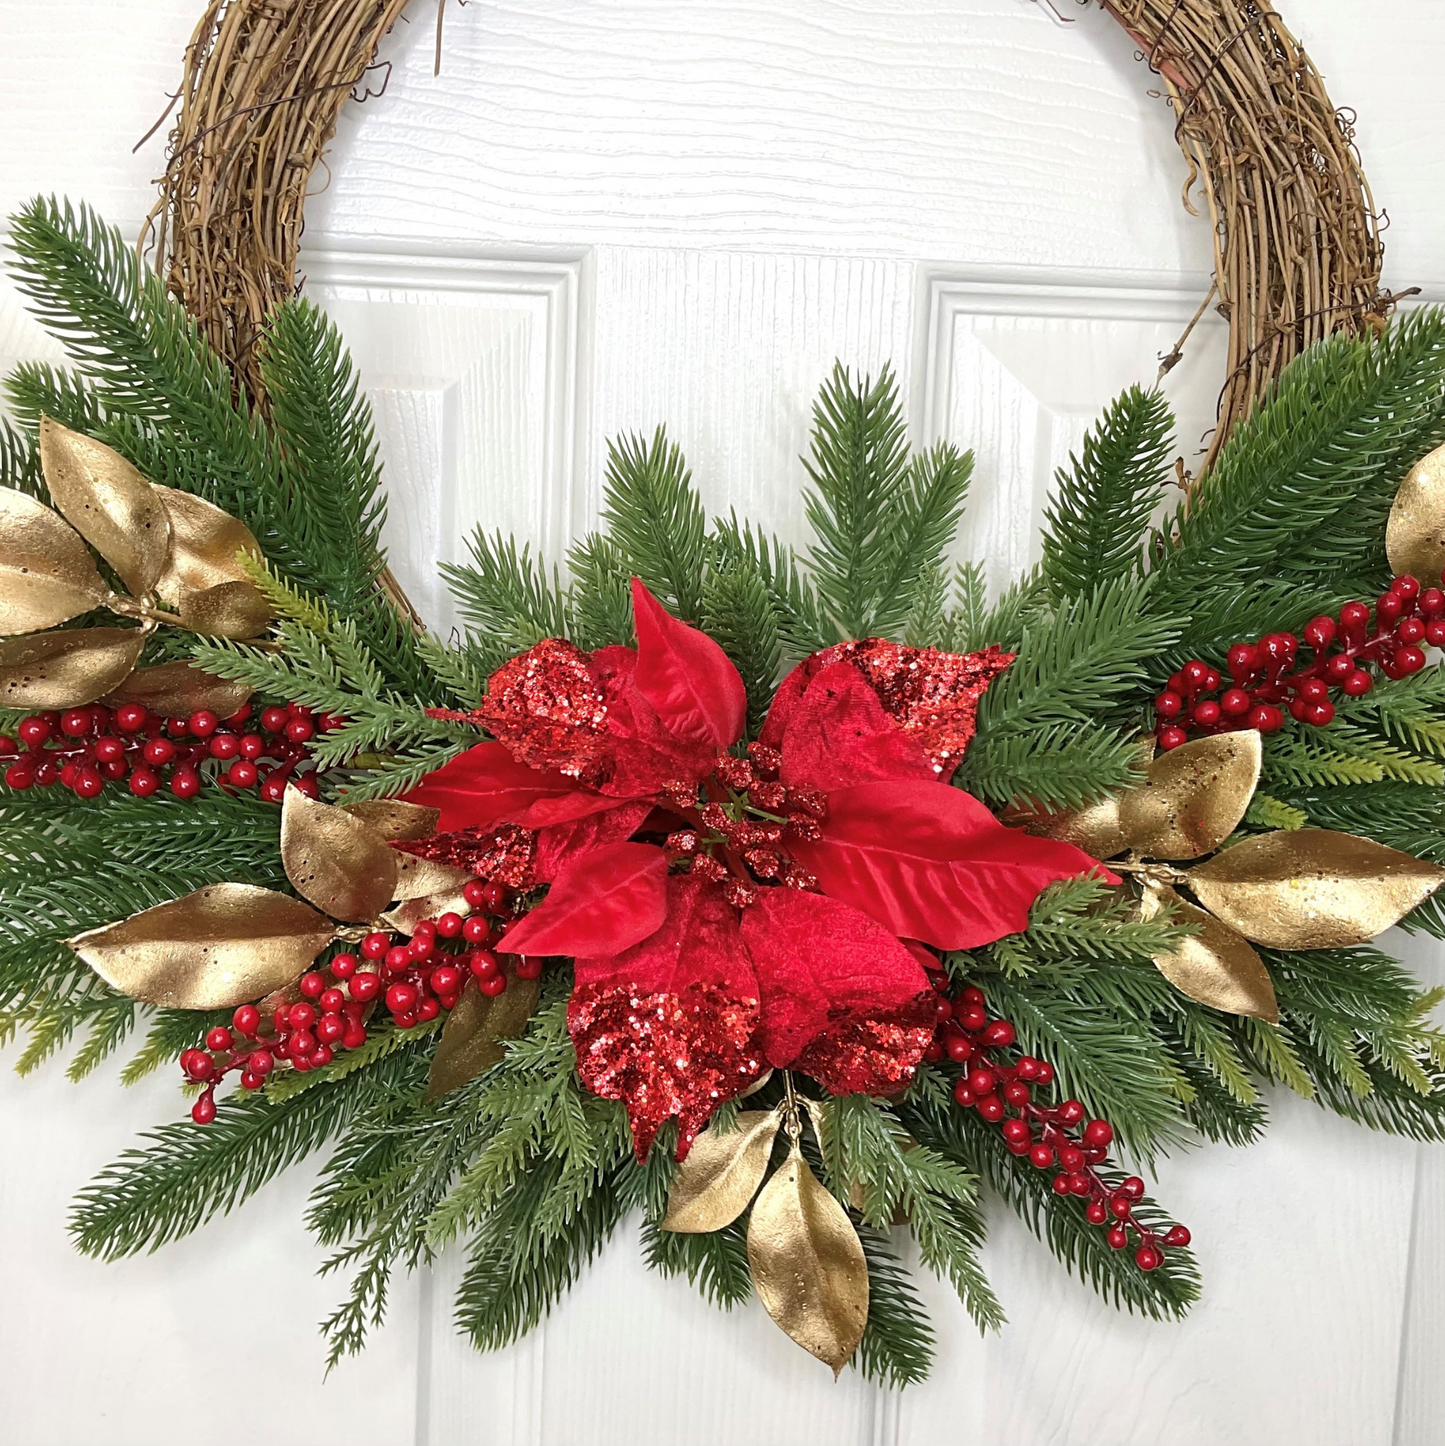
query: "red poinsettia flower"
774, 909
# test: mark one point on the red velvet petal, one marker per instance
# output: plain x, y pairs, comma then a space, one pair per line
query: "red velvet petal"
668, 1055
821, 963
564, 841
838, 734
601, 903
686, 676
933, 695
487, 786
698, 943
932, 863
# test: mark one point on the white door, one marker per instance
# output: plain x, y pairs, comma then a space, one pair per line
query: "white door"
607, 214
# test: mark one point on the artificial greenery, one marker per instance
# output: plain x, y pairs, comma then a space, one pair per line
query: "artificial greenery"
522, 1166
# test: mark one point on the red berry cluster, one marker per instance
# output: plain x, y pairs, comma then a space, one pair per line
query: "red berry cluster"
84, 748
415, 981
738, 835
1002, 1092
1268, 674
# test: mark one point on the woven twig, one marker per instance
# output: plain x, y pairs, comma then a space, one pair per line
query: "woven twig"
1296, 238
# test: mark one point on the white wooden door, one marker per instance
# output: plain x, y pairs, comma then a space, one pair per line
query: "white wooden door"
607, 214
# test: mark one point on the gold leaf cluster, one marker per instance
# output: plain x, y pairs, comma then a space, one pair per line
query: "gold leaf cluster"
805, 1257
165, 546
1307, 888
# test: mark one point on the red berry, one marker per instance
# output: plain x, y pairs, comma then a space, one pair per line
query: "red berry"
130, 717
959, 1048
1235, 702
1148, 1258
400, 998
1000, 1033
1015, 1131
1178, 1235
473, 891
251, 745
446, 980
1117, 1237
1168, 705
1098, 1134
301, 1045
973, 1018
1432, 602
1435, 632
397, 959
1120, 1206
990, 1108
422, 947
494, 896
962, 1093
482, 963
1133, 1187
375, 945
1409, 660
311, 984
330, 1028
1194, 674
200, 1065
1319, 714
354, 1037
529, 966
1070, 1112
1071, 1158
219, 1038
1044, 1073
364, 986
1097, 1213
1041, 1157
203, 723
75, 722
1266, 718
301, 1016
972, 995
343, 966
1171, 738
1027, 1067
144, 782
981, 1081
250, 1080
273, 720
934, 1052
159, 751
204, 1109
1243, 660
306, 785
1357, 683
1206, 714
321, 1055
1016, 1094
449, 925
1319, 632
1080, 1184
493, 985
300, 730
1354, 615
1388, 608
476, 930
1059, 1184
89, 784
428, 1009
331, 1001
109, 749
247, 1019
185, 782
1409, 630
1314, 690
1406, 587
242, 774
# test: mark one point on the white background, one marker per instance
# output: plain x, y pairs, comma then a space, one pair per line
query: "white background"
607, 214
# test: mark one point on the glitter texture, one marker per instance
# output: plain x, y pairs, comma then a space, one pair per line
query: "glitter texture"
505, 853
871, 1056
548, 707
932, 694
666, 1056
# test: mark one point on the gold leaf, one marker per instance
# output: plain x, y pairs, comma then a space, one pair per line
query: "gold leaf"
68, 669
395, 819
721, 1174
1415, 533
1214, 966
221, 946
47, 575
204, 544
108, 502
228, 610
176, 690
1311, 888
407, 915
1193, 798
1095, 829
416, 878
807, 1263
471, 1037
339, 863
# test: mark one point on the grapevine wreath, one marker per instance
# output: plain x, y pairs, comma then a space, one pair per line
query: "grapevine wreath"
788, 898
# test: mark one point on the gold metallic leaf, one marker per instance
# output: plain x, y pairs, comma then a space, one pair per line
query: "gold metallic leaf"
221, 946
416, 878
228, 610
47, 575
1415, 533
176, 690
807, 1263
1311, 888
1193, 798
339, 863
108, 502
1214, 966
1095, 829
395, 819
721, 1174
204, 544
408, 914
68, 669
471, 1037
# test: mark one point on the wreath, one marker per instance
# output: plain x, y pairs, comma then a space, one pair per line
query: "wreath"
790, 898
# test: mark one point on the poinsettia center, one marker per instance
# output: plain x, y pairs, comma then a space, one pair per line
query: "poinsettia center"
741, 819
